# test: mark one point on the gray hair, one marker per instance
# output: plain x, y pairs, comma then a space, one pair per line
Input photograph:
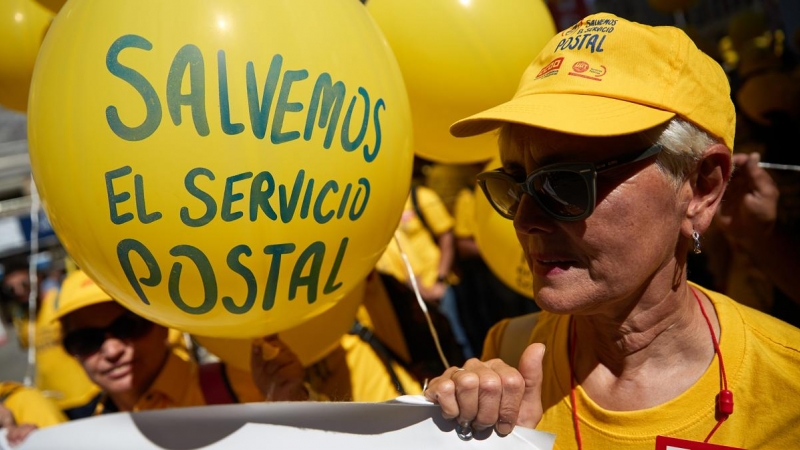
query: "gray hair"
683, 142
684, 145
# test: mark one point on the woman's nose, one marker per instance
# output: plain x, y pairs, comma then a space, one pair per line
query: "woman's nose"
531, 218
112, 347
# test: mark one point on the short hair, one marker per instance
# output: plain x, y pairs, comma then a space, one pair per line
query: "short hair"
683, 142
683, 147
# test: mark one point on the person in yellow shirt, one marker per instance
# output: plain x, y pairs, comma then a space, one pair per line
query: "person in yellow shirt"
133, 363
372, 363
483, 299
616, 154
24, 409
425, 235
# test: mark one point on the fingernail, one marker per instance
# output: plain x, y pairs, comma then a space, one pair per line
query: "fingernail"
504, 428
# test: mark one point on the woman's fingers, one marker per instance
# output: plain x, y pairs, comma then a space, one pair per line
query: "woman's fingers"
442, 390
492, 394
17, 434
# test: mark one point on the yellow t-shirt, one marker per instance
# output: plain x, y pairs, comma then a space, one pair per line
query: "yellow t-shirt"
464, 211
354, 372
762, 363
29, 406
420, 247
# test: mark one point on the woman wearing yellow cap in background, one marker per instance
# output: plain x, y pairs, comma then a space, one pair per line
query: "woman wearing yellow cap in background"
132, 361
616, 153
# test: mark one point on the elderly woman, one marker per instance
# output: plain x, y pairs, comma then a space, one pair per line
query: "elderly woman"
616, 151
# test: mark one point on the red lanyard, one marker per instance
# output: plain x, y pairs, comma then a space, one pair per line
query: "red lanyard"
724, 398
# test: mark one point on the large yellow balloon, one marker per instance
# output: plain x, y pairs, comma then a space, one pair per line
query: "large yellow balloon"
458, 58
310, 341
229, 168
498, 244
23, 24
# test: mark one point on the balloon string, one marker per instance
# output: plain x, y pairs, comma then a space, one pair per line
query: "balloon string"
421, 302
34, 286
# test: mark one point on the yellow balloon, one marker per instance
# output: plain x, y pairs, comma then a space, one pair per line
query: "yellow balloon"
23, 24
229, 168
310, 341
52, 5
498, 244
458, 58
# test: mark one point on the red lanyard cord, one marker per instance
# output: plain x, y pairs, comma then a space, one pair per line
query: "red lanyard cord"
724, 398
575, 420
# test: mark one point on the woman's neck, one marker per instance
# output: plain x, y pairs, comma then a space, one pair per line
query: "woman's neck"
660, 349
124, 401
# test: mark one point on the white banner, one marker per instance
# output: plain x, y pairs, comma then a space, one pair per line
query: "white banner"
408, 422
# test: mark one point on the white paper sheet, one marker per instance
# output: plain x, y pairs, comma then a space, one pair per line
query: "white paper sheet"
3, 441
406, 423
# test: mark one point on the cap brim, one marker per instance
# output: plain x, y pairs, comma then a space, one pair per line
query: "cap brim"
583, 115
75, 305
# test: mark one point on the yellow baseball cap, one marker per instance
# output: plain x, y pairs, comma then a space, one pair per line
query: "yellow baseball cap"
78, 291
606, 76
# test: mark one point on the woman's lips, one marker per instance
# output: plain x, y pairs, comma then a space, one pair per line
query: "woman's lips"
551, 265
118, 371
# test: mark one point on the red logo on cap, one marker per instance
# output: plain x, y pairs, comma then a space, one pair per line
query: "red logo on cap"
580, 66
595, 74
551, 69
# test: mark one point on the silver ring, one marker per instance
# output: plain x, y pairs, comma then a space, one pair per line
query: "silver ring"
464, 432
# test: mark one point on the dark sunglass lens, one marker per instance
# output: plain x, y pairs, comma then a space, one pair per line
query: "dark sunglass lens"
130, 326
563, 193
84, 342
505, 194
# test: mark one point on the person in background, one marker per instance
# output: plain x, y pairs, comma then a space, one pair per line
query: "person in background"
425, 234
483, 299
136, 367
749, 219
616, 152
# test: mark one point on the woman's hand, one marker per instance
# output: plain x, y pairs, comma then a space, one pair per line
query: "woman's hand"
17, 434
6, 417
492, 394
277, 371
749, 210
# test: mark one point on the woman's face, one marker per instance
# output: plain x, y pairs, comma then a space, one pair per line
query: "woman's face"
604, 262
119, 366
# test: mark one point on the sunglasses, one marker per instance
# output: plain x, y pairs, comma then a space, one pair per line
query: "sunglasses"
566, 191
87, 341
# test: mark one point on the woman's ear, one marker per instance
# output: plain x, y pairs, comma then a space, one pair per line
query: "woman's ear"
708, 186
